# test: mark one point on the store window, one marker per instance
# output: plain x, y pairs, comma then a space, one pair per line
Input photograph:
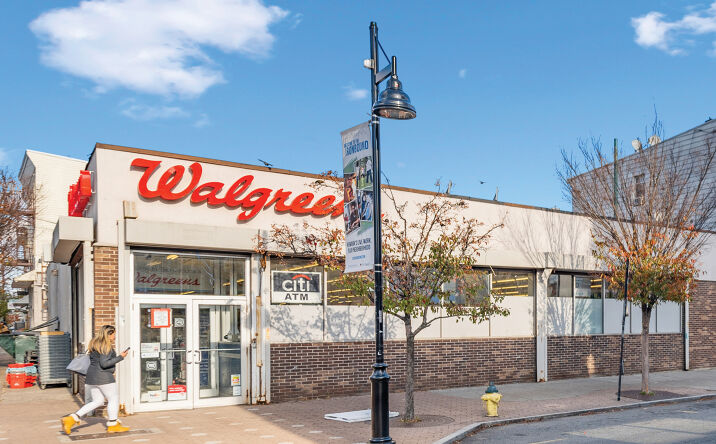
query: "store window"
611, 292
189, 274
513, 283
588, 309
499, 282
338, 294
478, 280
559, 286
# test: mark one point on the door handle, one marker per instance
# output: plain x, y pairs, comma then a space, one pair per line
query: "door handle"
198, 352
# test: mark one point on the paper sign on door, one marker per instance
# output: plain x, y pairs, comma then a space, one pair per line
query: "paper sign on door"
235, 380
149, 349
161, 317
176, 392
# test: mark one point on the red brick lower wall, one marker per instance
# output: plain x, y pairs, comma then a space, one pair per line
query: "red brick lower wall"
583, 356
702, 325
106, 285
313, 370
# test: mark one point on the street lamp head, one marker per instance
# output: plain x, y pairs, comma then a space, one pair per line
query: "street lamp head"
393, 103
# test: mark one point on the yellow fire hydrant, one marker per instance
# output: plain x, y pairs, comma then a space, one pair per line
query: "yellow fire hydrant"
492, 399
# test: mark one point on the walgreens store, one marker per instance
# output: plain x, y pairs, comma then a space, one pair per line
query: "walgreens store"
163, 246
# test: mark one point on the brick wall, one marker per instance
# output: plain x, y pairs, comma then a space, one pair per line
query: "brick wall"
312, 370
583, 356
702, 325
106, 285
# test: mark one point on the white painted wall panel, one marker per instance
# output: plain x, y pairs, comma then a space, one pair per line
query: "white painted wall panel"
587, 316
520, 322
559, 316
636, 320
350, 323
296, 323
668, 318
613, 311
395, 328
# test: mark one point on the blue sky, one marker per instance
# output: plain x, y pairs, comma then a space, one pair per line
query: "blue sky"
500, 87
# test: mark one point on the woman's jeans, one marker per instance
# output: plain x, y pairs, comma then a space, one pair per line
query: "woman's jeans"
99, 393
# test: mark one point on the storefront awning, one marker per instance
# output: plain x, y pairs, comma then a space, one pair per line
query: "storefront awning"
24, 280
69, 232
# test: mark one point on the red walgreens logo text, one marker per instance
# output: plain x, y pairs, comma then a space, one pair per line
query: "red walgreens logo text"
236, 196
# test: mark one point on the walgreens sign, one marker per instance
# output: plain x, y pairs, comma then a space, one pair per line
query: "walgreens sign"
239, 194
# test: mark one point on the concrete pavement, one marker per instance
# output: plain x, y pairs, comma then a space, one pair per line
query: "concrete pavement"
32, 415
693, 422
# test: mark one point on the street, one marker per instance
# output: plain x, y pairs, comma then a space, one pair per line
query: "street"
676, 423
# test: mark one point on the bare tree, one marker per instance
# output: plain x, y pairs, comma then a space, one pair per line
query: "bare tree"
652, 209
429, 250
16, 213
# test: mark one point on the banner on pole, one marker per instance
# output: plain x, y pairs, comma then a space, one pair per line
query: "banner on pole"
358, 176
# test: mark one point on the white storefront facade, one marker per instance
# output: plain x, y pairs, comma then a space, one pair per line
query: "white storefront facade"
165, 250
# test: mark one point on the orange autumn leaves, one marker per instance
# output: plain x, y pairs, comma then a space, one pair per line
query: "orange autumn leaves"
655, 275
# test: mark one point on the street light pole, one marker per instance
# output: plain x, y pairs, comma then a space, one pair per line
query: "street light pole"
393, 103
380, 379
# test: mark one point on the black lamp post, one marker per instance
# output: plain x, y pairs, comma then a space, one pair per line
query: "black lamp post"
393, 103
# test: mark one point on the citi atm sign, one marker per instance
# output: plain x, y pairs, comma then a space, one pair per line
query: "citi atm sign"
296, 287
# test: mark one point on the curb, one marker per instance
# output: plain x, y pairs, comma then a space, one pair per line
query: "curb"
476, 427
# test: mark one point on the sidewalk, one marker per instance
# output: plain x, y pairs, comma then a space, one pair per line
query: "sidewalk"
32, 415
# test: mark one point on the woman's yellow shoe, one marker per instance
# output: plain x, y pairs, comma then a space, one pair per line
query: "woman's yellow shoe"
117, 428
67, 423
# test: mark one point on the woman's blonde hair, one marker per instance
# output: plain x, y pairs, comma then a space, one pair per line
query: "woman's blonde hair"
101, 342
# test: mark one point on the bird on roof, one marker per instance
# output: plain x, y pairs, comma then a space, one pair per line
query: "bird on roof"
268, 165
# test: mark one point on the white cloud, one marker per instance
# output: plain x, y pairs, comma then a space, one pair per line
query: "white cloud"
138, 111
153, 46
202, 121
652, 30
296, 20
354, 93
462, 73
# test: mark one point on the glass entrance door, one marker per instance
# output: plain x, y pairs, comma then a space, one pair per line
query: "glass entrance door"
218, 353
163, 356
189, 354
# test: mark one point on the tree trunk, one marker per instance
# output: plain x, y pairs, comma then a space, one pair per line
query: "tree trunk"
645, 320
409, 372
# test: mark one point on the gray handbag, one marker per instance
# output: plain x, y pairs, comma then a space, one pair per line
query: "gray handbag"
80, 364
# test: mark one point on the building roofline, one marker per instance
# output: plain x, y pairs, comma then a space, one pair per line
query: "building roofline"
150, 152
670, 139
43, 153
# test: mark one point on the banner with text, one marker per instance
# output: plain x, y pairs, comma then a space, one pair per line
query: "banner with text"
358, 176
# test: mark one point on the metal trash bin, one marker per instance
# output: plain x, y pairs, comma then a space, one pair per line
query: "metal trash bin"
53, 355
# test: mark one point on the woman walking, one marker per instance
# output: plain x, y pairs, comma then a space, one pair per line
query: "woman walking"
100, 382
